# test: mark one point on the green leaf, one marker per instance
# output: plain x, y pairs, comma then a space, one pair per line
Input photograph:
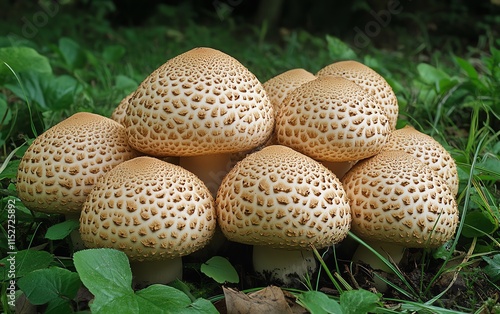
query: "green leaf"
478, 223
72, 53
493, 267
162, 297
106, 273
25, 262
113, 53
468, 68
338, 50
220, 269
431, 75
318, 303
125, 83
61, 230
21, 59
45, 285
358, 301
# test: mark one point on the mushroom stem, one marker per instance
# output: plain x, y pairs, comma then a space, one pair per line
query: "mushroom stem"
211, 169
289, 267
156, 272
339, 168
393, 253
75, 236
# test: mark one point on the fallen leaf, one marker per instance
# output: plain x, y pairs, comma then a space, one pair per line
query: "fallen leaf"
269, 300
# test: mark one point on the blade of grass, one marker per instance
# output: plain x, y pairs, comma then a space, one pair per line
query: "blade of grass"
328, 273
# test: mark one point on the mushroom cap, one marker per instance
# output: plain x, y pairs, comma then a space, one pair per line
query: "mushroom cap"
427, 150
149, 209
332, 119
121, 110
280, 85
370, 81
60, 167
395, 198
281, 198
200, 102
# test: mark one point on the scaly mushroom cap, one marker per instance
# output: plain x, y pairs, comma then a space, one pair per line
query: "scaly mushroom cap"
121, 110
332, 119
149, 209
279, 86
370, 81
427, 150
280, 198
200, 102
395, 198
60, 167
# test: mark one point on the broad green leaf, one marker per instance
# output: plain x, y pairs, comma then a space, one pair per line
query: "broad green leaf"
161, 297
113, 53
44, 285
25, 262
106, 273
468, 68
61, 230
319, 303
358, 301
493, 267
199, 306
430, 74
21, 59
220, 269
72, 53
338, 50
478, 223
125, 83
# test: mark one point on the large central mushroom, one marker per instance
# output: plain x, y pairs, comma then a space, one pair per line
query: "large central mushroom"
282, 202
202, 106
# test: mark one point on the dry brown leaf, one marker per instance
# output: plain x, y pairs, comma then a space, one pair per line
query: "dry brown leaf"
269, 300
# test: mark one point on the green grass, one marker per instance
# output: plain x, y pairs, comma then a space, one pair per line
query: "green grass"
456, 99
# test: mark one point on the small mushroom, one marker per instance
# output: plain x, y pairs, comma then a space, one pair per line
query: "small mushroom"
370, 81
202, 106
282, 202
279, 86
427, 150
154, 211
331, 119
121, 110
60, 167
398, 202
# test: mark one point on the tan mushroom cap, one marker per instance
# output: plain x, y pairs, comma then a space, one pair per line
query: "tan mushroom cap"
369, 80
332, 119
280, 85
395, 198
60, 167
280, 198
149, 209
121, 110
427, 150
200, 102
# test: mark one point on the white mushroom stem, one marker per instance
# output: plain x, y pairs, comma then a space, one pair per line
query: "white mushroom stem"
339, 168
392, 252
288, 266
146, 273
211, 169
75, 237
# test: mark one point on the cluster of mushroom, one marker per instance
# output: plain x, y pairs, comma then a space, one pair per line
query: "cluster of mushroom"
286, 166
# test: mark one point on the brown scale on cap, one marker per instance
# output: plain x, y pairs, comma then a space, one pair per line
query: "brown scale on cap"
149, 209
61, 166
280, 198
370, 81
279, 86
200, 102
397, 199
332, 119
121, 110
427, 150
